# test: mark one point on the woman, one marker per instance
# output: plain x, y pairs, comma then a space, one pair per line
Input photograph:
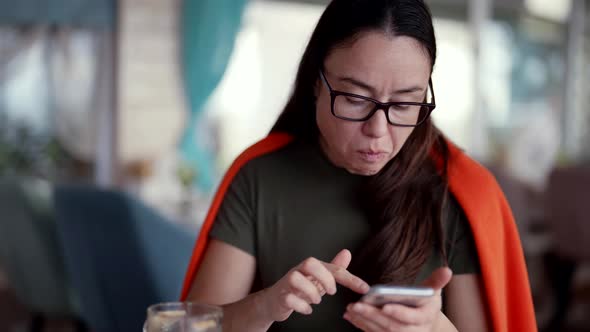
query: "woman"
354, 167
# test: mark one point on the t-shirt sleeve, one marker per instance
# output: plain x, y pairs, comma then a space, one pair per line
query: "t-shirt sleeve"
462, 252
235, 221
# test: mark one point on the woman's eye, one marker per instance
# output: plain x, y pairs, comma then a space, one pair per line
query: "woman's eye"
401, 107
356, 101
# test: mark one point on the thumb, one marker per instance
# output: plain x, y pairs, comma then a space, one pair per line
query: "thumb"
439, 278
342, 259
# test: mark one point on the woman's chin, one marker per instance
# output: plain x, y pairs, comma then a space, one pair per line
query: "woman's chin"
365, 171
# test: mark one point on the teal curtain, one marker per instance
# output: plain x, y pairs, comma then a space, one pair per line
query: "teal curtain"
80, 13
209, 29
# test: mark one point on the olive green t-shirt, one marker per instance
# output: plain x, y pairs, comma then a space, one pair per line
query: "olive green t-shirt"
293, 204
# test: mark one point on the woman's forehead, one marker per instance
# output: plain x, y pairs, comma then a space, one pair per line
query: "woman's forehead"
375, 57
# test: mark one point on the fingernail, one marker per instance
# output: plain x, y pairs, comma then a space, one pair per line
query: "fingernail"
346, 316
365, 287
357, 307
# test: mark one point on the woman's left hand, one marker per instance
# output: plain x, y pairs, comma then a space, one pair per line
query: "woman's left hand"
397, 317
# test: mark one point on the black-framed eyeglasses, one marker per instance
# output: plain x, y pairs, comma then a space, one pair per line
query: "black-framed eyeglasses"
353, 107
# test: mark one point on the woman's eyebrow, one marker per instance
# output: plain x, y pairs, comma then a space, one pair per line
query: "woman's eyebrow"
368, 87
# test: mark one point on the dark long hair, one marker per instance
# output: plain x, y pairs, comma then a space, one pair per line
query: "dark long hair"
404, 201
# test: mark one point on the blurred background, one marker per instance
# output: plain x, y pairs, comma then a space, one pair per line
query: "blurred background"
118, 119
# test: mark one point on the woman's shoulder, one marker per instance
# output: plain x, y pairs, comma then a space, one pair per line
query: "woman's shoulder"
462, 166
278, 159
467, 175
271, 144
474, 186
263, 161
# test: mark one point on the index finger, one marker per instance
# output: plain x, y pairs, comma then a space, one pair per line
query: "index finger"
347, 279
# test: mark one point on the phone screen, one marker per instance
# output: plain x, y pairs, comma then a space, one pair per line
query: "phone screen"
381, 295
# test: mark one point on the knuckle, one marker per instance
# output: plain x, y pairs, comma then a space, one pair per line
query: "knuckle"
305, 265
292, 278
309, 263
292, 300
284, 299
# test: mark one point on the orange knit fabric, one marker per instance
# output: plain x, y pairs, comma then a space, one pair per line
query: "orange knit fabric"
505, 279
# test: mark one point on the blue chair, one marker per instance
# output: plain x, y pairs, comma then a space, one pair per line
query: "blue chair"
120, 255
30, 253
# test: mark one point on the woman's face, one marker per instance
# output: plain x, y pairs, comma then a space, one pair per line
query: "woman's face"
381, 67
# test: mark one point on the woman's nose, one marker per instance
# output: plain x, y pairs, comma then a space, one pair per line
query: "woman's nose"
377, 125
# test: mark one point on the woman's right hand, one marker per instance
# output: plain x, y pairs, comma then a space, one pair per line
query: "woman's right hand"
305, 285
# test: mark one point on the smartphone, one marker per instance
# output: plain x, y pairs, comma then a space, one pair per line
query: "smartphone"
380, 295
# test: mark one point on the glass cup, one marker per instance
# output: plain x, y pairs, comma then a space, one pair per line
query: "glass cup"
183, 317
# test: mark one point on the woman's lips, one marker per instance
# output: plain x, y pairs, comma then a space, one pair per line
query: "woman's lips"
371, 156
